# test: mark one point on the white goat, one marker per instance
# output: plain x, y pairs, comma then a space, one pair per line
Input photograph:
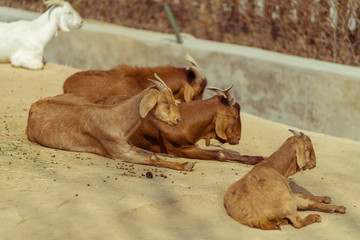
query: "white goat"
23, 42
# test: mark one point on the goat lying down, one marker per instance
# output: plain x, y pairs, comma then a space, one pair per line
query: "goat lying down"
263, 198
187, 84
22, 43
72, 123
214, 118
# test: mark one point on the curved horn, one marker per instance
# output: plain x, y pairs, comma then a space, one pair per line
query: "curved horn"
159, 83
225, 92
199, 74
54, 2
296, 133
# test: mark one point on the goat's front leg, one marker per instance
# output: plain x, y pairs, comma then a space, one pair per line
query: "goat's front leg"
304, 202
31, 59
204, 154
136, 155
251, 160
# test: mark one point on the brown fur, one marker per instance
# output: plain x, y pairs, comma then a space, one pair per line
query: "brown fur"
129, 81
204, 119
72, 123
263, 198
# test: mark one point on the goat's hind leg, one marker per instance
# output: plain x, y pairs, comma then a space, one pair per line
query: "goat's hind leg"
289, 211
304, 202
299, 222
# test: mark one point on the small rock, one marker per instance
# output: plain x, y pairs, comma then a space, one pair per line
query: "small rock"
149, 175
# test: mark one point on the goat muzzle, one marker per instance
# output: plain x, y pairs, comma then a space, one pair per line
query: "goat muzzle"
175, 122
233, 140
80, 24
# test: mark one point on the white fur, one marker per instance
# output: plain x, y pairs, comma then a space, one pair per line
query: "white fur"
23, 42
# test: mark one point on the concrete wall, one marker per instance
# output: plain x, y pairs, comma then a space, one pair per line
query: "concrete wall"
303, 93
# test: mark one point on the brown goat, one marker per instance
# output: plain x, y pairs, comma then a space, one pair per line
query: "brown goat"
263, 198
214, 118
187, 84
72, 123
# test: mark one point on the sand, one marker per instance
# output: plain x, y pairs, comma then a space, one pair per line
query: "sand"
53, 194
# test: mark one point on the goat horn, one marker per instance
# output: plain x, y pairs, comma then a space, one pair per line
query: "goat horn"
225, 92
159, 83
199, 75
296, 133
54, 2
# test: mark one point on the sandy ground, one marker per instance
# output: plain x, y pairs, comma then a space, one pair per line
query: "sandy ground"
52, 194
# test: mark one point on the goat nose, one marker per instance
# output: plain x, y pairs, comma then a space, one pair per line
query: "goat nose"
178, 119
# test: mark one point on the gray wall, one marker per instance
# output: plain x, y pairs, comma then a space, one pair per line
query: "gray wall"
304, 93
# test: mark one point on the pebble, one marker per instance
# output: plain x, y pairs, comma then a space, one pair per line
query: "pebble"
149, 175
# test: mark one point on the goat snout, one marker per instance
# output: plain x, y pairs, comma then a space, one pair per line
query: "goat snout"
80, 24
311, 166
176, 121
233, 141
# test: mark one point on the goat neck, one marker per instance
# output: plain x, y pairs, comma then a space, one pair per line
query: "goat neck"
126, 108
282, 160
201, 116
46, 26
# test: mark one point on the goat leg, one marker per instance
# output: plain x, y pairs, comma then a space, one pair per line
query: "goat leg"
186, 166
204, 154
192, 151
321, 199
304, 202
136, 155
251, 160
299, 222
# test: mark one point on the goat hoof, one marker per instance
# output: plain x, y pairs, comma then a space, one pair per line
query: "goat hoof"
154, 157
326, 200
258, 159
189, 166
341, 209
316, 218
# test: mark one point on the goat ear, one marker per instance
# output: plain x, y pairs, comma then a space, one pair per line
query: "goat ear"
148, 102
221, 125
63, 24
188, 93
300, 156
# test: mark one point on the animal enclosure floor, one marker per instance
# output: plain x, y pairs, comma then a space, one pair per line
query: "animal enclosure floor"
53, 194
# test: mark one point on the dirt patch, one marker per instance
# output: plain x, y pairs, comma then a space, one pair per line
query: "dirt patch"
53, 194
